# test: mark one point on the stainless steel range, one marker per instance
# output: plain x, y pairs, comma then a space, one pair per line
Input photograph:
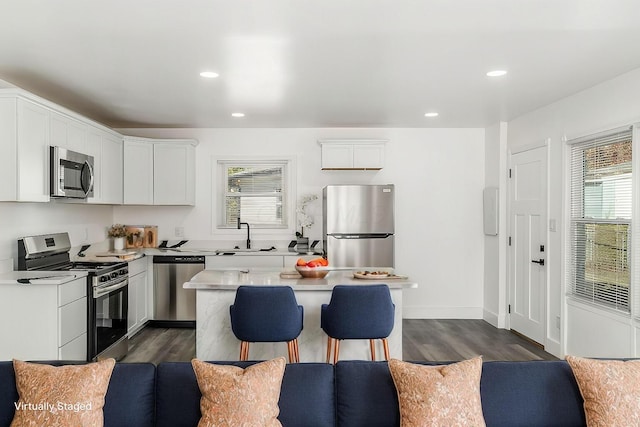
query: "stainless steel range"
107, 291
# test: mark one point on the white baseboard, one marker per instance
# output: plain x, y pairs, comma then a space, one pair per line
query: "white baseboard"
490, 317
442, 312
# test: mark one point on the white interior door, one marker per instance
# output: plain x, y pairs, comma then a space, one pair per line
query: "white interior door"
528, 219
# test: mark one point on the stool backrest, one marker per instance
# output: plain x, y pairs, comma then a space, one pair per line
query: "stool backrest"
266, 314
359, 312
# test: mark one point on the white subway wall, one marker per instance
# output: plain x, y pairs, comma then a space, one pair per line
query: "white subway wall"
439, 176
608, 105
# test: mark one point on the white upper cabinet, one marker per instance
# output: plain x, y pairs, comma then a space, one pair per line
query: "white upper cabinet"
67, 132
29, 125
159, 171
138, 172
33, 152
106, 149
352, 154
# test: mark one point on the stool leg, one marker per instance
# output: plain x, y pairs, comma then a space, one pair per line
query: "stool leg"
372, 345
329, 346
244, 350
336, 352
290, 350
385, 344
296, 349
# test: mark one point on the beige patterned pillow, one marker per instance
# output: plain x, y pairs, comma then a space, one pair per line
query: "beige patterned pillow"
610, 389
447, 395
71, 395
232, 396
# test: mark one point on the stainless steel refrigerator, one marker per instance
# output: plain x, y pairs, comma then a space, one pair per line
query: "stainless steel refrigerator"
358, 225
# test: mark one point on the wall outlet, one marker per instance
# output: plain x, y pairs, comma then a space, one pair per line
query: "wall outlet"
179, 232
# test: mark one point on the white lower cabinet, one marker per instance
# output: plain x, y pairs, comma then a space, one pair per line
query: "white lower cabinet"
138, 296
44, 322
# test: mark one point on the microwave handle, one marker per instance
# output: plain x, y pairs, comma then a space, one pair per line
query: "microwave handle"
90, 186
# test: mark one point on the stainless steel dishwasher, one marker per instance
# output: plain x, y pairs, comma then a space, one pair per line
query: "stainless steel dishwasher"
174, 306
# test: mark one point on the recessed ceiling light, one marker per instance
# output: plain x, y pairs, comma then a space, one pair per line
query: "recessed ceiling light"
434, 114
209, 74
496, 73
237, 114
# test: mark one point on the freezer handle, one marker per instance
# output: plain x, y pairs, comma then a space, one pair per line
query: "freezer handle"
362, 236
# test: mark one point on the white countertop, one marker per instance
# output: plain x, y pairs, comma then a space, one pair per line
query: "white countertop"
230, 279
46, 277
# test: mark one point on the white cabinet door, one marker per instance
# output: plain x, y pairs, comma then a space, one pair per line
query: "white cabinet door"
138, 173
337, 156
132, 321
368, 156
33, 152
67, 132
138, 304
142, 303
111, 166
173, 173
138, 295
8, 149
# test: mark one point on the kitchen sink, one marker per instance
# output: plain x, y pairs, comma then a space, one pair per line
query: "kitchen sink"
235, 250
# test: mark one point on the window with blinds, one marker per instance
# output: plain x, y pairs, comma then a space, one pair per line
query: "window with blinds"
600, 226
253, 191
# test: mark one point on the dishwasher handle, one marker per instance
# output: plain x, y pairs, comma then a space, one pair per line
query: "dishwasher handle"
178, 259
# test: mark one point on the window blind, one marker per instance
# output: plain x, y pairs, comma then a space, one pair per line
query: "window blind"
254, 192
600, 225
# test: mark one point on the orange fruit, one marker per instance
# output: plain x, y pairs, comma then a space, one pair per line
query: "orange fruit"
301, 262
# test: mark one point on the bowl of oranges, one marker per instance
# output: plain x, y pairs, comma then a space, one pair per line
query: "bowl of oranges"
316, 268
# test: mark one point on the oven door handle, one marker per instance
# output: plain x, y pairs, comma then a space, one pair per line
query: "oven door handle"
98, 292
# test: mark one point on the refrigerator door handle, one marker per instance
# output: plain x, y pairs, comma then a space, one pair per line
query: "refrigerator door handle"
361, 236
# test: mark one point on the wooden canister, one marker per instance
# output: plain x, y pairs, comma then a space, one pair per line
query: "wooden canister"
150, 236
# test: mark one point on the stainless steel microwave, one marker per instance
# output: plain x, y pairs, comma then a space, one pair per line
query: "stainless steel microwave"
71, 173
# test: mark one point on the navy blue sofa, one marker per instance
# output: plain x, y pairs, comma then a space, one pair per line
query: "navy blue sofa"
352, 393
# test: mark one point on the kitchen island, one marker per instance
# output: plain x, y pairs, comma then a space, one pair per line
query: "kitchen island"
216, 290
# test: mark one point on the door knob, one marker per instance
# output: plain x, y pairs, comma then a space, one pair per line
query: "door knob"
540, 261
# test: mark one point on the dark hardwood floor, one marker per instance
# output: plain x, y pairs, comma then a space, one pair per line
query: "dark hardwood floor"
454, 339
422, 340
157, 345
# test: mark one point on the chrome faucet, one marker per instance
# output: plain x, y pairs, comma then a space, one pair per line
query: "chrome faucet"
248, 236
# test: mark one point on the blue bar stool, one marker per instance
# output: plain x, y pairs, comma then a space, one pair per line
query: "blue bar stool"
358, 312
267, 314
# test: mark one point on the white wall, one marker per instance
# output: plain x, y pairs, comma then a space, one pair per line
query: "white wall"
439, 176
608, 105
86, 224
495, 253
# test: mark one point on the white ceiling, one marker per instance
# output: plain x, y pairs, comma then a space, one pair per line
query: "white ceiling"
313, 63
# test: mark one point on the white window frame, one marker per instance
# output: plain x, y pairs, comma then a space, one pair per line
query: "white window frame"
218, 196
575, 219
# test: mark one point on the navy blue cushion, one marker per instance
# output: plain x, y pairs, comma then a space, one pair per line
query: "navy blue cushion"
306, 397
366, 395
130, 399
266, 314
538, 393
8, 393
358, 312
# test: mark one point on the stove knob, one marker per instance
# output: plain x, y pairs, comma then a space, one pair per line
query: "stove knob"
104, 278
123, 271
114, 274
